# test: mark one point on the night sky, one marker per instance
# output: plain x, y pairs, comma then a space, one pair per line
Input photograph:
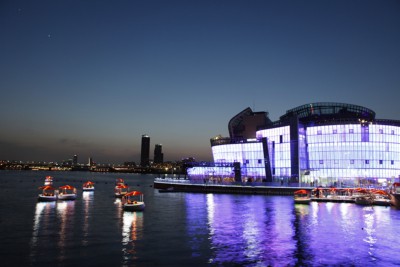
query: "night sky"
90, 77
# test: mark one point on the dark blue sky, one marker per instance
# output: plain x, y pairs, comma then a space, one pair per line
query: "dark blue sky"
90, 77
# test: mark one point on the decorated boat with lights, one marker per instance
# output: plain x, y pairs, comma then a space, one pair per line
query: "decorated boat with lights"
49, 193
67, 192
133, 201
48, 180
121, 190
302, 197
88, 186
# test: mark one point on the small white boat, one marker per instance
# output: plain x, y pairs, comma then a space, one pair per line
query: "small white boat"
48, 180
88, 186
67, 192
133, 201
121, 190
119, 181
380, 197
302, 197
49, 193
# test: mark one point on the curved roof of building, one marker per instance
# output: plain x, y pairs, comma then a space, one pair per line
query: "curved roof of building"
329, 110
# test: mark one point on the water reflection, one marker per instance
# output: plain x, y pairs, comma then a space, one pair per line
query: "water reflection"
65, 212
87, 197
40, 221
302, 254
132, 230
197, 216
241, 230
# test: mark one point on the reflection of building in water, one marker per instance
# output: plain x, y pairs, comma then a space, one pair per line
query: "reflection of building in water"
240, 230
87, 197
235, 235
196, 215
40, 221
65, 212
132, 230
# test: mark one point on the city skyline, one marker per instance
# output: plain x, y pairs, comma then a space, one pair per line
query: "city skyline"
90, 79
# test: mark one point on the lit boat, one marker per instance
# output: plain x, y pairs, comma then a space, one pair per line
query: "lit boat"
120, 190
364, 200
49, 193
119, 181
133, 201
67, 192
302, 197
395, 195
48, 180
88, 186
380, 198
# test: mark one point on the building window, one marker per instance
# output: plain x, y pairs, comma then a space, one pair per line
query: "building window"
392, 162
352, 161
259, 161
247, 161
321, 161
334, 131
351, 130
380, 161
336, 161
367, 161
392, 132
319, 132
281, 139
381, 131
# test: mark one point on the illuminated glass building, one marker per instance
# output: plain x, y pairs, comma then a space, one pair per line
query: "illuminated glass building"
318, 143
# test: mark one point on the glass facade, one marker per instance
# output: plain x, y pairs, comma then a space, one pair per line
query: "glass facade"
279, 149
344, 153
319, 144
250, 156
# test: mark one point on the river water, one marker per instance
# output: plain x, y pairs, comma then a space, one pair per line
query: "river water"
185, 229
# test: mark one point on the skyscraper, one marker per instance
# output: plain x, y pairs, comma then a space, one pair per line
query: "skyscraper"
75, 160
158, 155
145, 152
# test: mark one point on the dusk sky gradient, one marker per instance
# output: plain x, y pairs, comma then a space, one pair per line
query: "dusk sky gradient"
90, 77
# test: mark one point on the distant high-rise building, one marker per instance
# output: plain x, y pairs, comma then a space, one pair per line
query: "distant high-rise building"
75, 160
158, 155
145, 152
90, 163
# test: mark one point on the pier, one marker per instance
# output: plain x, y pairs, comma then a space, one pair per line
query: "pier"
336, 195
181, 185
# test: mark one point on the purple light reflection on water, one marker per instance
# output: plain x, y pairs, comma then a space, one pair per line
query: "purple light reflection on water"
187, 229
272, 231
244, 230
347, 234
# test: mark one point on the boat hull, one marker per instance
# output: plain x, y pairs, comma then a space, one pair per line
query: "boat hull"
302, 200
88, 188
381, 202
67, 196
363, 201
46, 198
139, 206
